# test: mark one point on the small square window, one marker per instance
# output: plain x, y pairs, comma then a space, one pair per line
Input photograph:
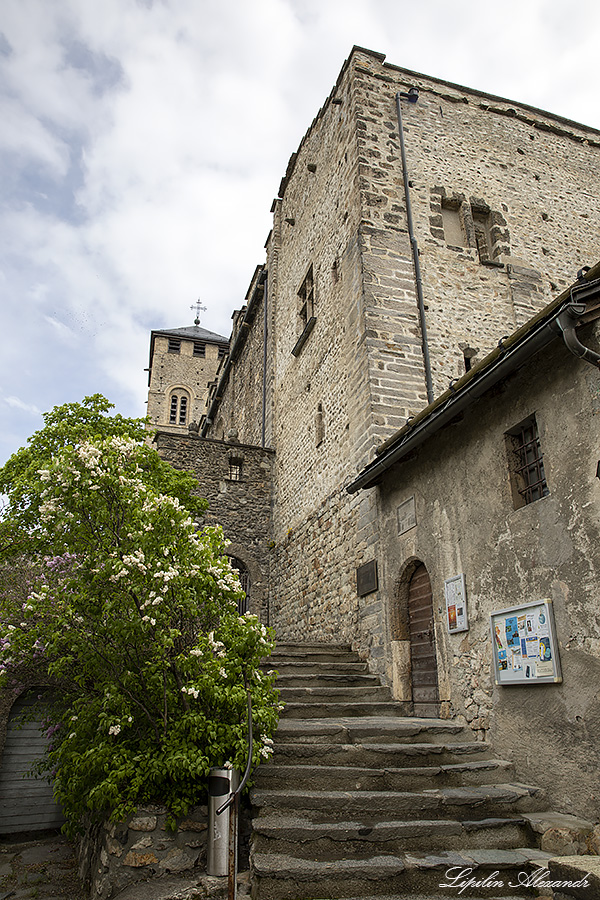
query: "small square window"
174, 345
236, 466
528, 479
199, 348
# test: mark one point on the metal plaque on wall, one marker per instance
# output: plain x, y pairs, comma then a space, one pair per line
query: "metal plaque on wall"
366, 578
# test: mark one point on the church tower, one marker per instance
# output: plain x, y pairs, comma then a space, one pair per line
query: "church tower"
183, 363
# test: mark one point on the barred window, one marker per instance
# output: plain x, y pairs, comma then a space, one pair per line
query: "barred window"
526, 460
236, 468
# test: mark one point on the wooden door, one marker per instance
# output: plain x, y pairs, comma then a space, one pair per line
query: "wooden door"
26, 802
422, 645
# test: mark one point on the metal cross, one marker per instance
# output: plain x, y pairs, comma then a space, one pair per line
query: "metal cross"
197, 306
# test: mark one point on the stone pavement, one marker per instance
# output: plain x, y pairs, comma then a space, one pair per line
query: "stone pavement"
41, 869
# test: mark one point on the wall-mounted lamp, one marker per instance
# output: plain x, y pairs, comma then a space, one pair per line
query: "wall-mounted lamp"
412, 95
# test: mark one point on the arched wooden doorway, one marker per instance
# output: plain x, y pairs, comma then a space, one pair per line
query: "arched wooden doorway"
244, 576
423, 659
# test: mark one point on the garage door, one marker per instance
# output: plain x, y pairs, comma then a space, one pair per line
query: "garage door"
26, 802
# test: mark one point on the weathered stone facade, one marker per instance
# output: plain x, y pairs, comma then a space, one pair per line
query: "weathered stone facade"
502, 218
466, 523
115, 855
236, 479
183, 363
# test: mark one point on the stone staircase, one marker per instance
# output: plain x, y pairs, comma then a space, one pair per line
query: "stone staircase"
361, 801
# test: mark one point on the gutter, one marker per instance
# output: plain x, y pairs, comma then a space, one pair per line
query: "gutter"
560, 317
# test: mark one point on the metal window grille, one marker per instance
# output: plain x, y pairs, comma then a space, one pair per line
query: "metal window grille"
529, 467
235, 469
173, 410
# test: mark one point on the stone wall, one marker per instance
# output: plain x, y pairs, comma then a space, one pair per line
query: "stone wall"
524, 175
467, 523
239, 385
113, 856
242, 506
503, 217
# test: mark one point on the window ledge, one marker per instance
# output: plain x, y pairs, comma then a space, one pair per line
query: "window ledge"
304, 336
492, 263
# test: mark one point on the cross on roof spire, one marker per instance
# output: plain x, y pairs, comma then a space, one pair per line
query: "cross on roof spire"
197, 306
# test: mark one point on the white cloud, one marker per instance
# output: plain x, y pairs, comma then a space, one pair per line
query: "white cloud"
142, 144
16, 403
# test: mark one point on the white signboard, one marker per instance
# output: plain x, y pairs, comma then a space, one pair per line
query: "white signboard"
456, 604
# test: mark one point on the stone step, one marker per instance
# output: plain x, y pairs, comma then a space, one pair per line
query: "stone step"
376, 755
332, 695
369, 729
294, 836
370, 806
354, 778
315, 654
326, 679
343, 709
289, 648
410, 876
303, 667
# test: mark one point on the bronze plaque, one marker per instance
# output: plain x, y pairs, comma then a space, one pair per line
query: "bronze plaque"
366, 578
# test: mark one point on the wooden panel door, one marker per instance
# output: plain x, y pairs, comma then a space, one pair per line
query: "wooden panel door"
422, 645
26, 802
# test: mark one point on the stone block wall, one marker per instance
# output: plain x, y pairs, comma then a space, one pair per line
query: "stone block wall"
239, 386
113, 856
531, 176
182, 370
242, 507
503, 216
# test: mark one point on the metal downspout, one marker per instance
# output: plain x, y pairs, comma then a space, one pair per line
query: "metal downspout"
565, 324
412, 97
264, 375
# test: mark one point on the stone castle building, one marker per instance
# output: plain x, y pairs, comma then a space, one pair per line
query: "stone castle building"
399, 348
183, 362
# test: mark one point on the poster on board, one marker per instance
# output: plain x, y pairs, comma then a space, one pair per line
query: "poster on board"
456, 604
524, 644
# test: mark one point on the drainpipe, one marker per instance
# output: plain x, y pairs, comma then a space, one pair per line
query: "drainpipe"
565, 324
264, 385
412, 96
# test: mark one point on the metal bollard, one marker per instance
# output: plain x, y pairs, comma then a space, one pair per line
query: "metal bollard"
221, 783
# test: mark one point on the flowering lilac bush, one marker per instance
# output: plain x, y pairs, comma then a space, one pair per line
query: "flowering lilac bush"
131, 611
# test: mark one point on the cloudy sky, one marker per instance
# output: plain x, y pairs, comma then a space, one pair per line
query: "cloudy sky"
142, 143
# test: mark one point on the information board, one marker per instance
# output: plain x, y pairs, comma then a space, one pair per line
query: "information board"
455, 593
524, 644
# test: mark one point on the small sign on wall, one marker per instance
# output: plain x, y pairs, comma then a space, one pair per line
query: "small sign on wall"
407, 515
524, 644
455, 593
366, 578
